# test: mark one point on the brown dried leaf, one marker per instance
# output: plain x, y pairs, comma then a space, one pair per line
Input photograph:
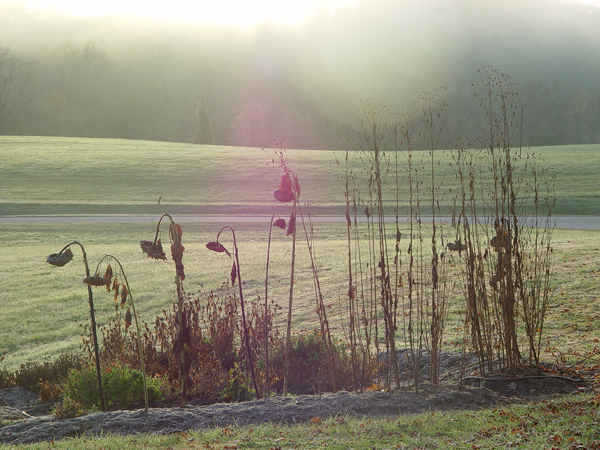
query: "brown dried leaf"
283, 196
176, 232
124, 293
291, 225
127, 319
115, 287
108, 277
285, 193
177, 254
233, 274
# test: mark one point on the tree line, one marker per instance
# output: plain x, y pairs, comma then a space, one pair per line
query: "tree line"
301, 88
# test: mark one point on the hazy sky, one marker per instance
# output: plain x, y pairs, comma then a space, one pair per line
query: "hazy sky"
244, 13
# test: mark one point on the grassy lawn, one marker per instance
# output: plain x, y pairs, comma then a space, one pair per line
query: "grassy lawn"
42, 175
43, 307
48, 305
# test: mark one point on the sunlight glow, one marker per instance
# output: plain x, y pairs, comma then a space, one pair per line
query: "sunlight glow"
241, 13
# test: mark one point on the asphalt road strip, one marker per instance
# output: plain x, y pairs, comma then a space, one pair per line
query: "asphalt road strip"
563, 222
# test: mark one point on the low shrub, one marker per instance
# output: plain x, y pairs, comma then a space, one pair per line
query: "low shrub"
68, 408
310, 371
7, 379
123, 387
31, 374
238, 387
49, 391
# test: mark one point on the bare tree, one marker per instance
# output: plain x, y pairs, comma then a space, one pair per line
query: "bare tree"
17, 91
204, 134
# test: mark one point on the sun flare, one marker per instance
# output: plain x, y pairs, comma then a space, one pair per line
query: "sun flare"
225, 12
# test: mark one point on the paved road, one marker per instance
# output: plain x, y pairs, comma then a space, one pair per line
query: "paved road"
567, 222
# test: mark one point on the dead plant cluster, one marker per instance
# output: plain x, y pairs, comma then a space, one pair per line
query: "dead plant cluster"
480, 243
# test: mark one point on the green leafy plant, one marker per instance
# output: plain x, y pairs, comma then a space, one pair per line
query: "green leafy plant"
122, 292
68, 409
238, 389
123, 387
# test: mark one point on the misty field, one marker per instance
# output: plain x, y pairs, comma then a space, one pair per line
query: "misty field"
42, 175
44, 307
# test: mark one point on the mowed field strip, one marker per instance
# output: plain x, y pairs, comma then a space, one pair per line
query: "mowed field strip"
43, 307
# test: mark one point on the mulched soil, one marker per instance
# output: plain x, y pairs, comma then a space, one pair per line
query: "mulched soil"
28, 420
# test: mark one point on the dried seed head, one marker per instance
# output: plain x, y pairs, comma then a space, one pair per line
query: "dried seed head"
96, 280
280, 223
60, 259
153, 250
217, 247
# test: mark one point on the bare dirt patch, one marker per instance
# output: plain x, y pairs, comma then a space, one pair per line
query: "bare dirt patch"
25, 419
282, 410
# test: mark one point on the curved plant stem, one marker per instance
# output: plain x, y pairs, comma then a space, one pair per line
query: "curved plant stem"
179, 286
267, 380
244, 324
93, 320
137, 327
288, 335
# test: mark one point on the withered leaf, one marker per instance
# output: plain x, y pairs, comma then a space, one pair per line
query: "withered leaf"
127, 319
285, 193
291, 225
177, 254
124, 293
233, 273
108, 277
176, 231
115, 287
283, 196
